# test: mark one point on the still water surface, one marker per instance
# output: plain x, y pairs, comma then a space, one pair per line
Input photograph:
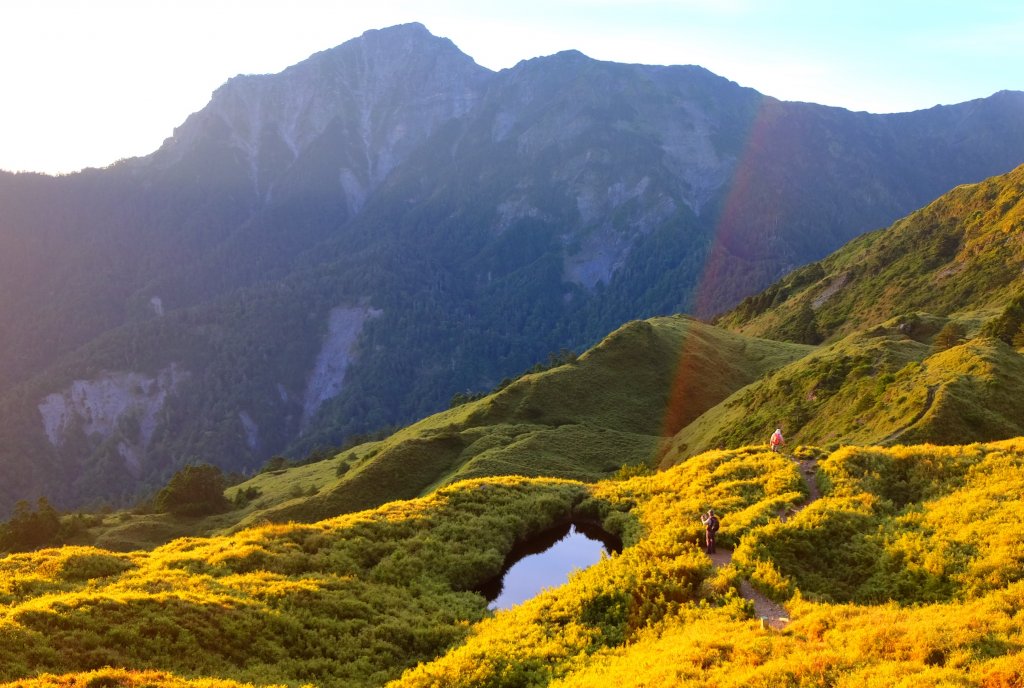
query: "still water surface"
546, 562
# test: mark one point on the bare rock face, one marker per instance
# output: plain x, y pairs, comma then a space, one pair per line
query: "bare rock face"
252, 430
118, 402
328, 375
606, 246
604, 154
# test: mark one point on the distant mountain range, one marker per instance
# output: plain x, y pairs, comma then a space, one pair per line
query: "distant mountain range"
343, 246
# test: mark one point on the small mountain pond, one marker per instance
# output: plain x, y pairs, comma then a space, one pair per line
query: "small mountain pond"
546, 562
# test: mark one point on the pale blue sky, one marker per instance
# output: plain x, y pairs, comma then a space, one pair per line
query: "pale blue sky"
86, 82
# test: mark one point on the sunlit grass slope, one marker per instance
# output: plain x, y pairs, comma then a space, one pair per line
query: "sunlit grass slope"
121, 678
924, 542
965, 251
913, 524
974, 644
348, 601
662, 575
612, 407
141, 529
356, 599
908, 572
879, 387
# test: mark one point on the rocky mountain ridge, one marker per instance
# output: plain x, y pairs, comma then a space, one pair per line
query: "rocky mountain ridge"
373, 100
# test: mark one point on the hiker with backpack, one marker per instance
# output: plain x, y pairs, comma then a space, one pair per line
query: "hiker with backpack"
711, 525
776, 441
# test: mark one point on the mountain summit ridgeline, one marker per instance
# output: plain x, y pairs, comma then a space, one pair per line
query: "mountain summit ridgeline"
343, 246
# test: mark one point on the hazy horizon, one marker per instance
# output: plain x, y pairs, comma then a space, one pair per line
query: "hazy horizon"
90, 83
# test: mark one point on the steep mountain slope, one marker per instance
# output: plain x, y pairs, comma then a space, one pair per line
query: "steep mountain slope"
951, 374
960, 253
345, 245
315, 142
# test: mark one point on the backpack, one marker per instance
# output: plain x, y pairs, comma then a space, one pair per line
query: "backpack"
713, 524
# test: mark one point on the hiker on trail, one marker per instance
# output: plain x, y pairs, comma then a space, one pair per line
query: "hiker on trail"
776, 440
710, 522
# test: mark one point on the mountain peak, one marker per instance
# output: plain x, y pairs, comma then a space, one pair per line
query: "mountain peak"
571, 56
380, 94
398, 43
410, 28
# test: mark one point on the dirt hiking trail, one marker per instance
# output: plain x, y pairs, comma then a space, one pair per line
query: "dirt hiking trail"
771, 613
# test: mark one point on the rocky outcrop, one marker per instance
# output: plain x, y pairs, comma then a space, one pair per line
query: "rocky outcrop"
252, 430
126, 403
607, 246
336, 354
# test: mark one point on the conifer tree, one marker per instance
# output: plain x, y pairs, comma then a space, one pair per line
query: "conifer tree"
949, 336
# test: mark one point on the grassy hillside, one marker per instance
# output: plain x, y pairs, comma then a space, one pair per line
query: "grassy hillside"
612, 407
907, 572
921, 324
880, 387
963, 252
122, 678
971, 635
349, 600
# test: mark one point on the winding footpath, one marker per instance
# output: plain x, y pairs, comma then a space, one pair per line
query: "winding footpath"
770, 613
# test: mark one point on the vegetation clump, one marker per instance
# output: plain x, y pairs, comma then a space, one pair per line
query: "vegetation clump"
29, 528
952, 334
195, 490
